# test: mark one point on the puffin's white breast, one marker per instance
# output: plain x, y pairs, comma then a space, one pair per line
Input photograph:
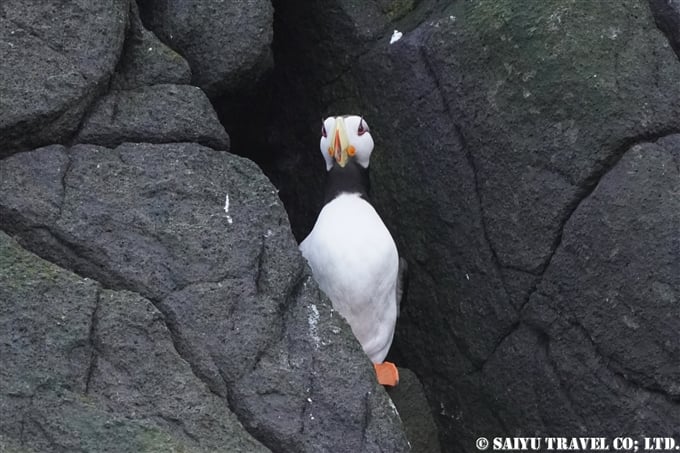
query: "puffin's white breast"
355, 262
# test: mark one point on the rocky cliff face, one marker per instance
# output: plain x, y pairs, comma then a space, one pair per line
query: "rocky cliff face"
519, 148
151, 294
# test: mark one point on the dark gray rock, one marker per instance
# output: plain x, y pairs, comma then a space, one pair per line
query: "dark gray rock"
314, 358
56, 59
667, 16
415, 413
615, 274
46, 188
539, 126
596, 351
133, 346
154, 114
46, 321
568, 120
543, 268
146, 60
524, 368
95, 370
232, 286
492, 122
227, 44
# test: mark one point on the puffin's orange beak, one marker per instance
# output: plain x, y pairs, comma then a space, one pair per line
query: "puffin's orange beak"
340, 142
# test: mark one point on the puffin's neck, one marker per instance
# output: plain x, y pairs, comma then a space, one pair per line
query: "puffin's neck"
352, 178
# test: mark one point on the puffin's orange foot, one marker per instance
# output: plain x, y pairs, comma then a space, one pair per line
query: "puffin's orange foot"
386, 373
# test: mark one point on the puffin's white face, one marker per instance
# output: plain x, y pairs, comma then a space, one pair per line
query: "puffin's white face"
344, 138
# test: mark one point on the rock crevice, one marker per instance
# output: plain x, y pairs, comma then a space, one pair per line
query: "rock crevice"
94, 350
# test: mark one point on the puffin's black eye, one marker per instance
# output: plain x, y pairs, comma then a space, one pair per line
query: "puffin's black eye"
323, 130
363, 127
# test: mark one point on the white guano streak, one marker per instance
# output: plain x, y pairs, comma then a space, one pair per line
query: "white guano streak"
226, 209
396, 36
313, 321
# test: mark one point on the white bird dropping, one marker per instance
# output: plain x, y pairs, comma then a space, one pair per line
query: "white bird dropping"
396, 36
226, 209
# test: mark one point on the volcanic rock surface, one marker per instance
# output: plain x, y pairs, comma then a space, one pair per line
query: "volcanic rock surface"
152, 297
152, 294
526, 163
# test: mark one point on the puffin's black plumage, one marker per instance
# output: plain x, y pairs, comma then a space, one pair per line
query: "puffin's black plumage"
352, 178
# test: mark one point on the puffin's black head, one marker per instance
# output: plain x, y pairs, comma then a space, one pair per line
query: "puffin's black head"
346, 145
344, 139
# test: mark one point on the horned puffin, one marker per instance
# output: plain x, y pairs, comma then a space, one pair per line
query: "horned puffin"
351, 253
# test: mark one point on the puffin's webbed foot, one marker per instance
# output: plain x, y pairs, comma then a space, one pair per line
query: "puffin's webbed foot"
386, 373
